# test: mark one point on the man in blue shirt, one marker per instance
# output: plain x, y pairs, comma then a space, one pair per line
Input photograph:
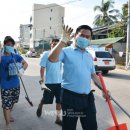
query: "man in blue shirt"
52, 79
10, 84
78, 70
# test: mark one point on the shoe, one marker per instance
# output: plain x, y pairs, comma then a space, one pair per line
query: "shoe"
58, 122
39, 111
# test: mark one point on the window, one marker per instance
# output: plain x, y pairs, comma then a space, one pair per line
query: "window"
30, 35
50, 27
62, 20
51, 10
103, 55
30, 19
50, 18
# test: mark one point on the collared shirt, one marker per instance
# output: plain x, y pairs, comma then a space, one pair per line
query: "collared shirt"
77, 69
52, 69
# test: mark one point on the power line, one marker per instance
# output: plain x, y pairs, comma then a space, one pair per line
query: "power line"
57, 5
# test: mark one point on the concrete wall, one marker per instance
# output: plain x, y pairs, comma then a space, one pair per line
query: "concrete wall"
119, 47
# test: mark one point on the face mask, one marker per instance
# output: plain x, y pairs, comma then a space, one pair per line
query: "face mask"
82, 42
9, 49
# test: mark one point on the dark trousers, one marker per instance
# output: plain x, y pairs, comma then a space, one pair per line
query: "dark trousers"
48, 96
76, 106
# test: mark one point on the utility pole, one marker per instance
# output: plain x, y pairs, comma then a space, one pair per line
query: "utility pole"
43, 38
128, 36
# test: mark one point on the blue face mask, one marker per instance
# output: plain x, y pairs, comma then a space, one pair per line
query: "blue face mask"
82, 42
9, 49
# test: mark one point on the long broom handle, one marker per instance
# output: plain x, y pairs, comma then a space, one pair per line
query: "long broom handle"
120, 106
27, 97
117, 104
108, 100
19, 76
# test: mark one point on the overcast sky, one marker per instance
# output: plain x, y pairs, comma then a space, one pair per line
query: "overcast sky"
16, 12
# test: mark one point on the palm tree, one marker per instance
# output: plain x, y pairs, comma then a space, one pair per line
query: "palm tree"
124, 15
121, 29
107, 16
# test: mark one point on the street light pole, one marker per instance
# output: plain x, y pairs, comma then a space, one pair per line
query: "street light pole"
128, 35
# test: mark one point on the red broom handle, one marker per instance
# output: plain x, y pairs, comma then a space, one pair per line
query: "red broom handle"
108, 99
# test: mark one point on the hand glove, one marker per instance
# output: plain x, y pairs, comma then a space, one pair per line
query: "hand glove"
21, 72
104, 95
65, 36
41, 81
43, 87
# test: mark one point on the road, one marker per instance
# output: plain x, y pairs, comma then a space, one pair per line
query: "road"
117, 81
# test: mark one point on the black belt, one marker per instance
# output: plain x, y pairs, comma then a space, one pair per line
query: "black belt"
76, 94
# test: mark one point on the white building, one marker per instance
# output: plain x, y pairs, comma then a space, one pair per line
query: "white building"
25, 35
47, 21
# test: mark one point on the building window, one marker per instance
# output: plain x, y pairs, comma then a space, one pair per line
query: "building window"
50, 18
51, 10
30, 28
30, 35
30, 19
62, 20
50, 27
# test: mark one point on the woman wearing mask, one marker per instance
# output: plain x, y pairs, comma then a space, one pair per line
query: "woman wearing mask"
10, 84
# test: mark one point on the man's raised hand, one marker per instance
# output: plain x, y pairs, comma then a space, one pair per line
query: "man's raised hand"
66, 32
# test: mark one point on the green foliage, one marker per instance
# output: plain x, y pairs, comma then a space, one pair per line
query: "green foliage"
121, 31
106, 16
125, 10
22, 50
117, 32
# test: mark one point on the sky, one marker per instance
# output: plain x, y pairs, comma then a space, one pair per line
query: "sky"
16, 12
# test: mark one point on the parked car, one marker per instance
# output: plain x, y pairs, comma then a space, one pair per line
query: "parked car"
31, 53
103, 61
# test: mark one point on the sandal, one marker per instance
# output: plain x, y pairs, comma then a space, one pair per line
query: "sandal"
11, 119
39, 111
8, 127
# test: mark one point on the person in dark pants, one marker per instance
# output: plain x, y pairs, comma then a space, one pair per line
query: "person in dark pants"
52, 80
77, 98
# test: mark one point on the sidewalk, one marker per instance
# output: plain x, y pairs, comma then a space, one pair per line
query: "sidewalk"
122, 67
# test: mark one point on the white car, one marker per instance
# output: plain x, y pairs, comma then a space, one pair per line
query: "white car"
31, 54
103, 61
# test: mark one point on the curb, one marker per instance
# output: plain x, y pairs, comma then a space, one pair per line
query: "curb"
122, 67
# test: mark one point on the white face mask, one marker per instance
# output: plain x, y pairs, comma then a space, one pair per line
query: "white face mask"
82, 42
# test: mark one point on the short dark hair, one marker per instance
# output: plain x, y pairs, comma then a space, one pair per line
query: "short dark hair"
54, 40
9, 39
84, 27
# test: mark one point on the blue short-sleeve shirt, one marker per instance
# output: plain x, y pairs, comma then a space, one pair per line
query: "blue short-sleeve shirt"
52, 69
77, 69
9, 81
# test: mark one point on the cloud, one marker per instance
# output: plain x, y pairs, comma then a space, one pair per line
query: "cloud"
16, 12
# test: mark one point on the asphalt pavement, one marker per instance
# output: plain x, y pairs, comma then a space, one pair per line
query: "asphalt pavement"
117, 81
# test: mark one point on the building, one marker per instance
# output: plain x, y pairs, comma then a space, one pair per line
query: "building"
24, 35
46, 21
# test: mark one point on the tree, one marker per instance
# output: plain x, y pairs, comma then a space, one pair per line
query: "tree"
116, 32
107, 16
121, 29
